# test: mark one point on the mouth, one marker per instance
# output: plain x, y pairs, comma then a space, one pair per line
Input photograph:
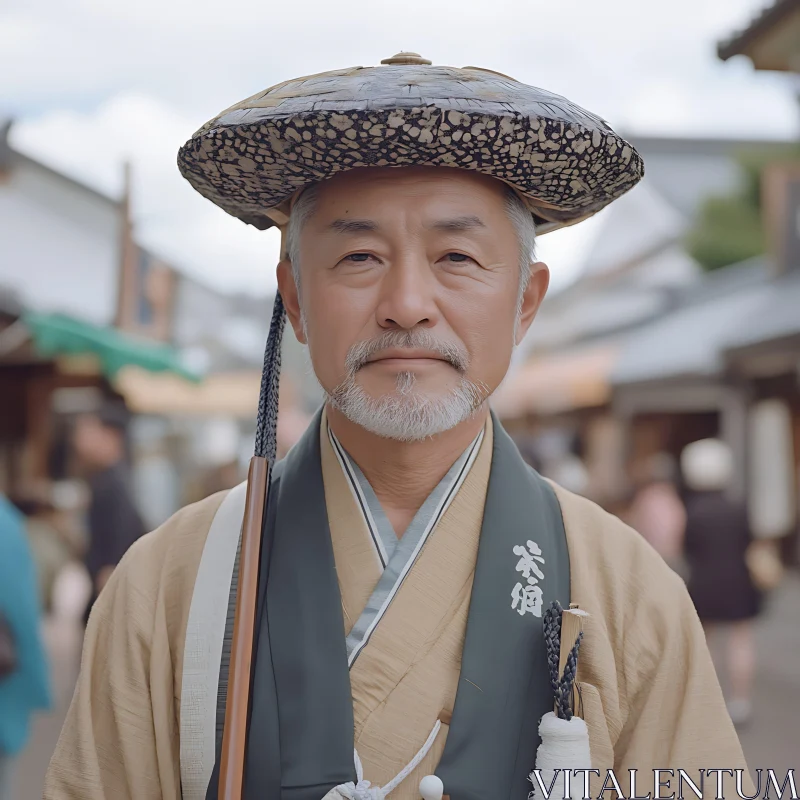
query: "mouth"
406, 358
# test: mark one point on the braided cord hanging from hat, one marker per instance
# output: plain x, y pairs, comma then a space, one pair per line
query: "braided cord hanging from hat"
561, 684
267, 419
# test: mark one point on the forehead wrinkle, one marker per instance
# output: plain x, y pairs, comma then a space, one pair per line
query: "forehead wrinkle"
353, 225
468, 222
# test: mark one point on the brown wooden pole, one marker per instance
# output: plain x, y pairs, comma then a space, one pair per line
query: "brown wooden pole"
234, 738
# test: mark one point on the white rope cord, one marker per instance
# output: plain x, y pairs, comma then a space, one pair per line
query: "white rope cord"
415, 762
363, 790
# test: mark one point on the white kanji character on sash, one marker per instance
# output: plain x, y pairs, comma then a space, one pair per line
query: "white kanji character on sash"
527, 599
527, 563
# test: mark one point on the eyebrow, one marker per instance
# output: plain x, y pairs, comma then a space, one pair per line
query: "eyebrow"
466, 223
353, 225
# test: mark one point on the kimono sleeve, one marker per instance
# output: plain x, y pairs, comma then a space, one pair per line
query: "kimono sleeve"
112, 744
676, 717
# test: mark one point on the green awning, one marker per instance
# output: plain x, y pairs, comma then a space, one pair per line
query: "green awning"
58, 334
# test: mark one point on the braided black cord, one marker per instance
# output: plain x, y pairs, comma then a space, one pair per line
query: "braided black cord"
267, 418
564, 698
552, 640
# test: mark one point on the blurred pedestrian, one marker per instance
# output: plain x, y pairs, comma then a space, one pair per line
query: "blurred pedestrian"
24, 684
720, 584
114, 524
657, 510
53, 539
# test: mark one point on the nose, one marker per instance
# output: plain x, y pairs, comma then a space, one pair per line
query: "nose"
407, 297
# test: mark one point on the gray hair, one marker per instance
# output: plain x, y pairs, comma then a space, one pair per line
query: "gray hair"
519, 214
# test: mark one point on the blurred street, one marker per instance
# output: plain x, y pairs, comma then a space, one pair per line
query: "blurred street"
769, 741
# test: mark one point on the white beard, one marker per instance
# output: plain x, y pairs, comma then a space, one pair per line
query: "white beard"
408, 415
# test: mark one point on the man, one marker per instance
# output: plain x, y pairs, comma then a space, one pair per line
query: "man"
410, 559
114, 523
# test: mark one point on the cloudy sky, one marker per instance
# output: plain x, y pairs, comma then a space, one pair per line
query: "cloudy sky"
93, 82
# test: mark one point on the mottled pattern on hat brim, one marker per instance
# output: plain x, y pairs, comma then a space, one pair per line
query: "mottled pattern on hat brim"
567, 163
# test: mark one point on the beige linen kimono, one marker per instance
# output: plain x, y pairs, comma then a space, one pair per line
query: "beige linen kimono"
648, 689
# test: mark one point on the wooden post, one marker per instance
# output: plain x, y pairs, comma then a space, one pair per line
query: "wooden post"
126, 285
39, 423
780, 187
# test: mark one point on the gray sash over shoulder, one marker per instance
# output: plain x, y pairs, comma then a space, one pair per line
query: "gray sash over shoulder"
301, 718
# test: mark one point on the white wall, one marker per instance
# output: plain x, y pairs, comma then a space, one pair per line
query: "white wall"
59, 244
199, 312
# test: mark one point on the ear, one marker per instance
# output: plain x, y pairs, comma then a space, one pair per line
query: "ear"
291, 299
532, 298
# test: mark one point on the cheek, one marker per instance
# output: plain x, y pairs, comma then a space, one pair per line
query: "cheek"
333, 324
486, 326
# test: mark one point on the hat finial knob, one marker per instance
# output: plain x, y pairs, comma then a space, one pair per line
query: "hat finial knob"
406, 58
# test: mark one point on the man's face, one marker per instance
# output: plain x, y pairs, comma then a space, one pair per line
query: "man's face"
409, 287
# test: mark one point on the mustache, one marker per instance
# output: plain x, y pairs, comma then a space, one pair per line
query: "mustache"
421, 339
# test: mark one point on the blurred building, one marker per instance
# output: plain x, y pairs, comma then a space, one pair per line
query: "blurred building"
560, 399
59, 254
771, 41
87, 315
60, 238
725, 360
767, 352
197, 438
645, 352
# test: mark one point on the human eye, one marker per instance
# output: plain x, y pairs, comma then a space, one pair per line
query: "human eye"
457, 258
357, 258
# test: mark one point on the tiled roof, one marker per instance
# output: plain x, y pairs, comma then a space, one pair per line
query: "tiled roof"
691, 340
9, 154
768, 18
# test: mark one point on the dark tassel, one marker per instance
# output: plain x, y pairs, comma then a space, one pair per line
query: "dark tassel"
267, 419
560, 684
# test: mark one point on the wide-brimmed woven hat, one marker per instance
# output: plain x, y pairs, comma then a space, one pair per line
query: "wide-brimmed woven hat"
565, 162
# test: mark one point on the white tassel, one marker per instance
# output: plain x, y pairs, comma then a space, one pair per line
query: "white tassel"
564, 747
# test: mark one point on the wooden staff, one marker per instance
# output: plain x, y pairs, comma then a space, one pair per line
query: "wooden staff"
234, 738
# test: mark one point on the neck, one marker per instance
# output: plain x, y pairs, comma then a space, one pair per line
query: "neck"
403, 474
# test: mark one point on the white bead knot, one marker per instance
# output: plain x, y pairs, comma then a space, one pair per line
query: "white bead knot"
364, 790
431, 788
